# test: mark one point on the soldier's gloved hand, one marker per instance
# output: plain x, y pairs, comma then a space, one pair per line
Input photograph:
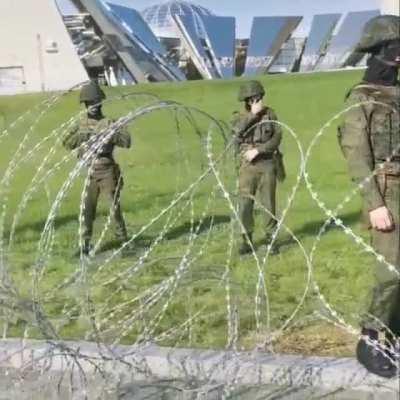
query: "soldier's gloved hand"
257, 107
381, 219
251, 154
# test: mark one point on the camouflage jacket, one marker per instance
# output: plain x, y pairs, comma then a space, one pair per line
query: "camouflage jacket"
257, 132
370, 134
86, 133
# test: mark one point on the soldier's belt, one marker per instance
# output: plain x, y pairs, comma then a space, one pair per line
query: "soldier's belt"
389, 168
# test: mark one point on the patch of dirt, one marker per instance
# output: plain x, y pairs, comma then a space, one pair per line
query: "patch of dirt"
319, 339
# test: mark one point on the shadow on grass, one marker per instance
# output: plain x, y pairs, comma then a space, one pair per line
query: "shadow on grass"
38, 226
311, 228
140, 243
152, 201
200, 226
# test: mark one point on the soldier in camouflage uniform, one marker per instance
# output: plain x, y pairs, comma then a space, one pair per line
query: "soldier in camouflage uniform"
104, 173
370, 140
258, 141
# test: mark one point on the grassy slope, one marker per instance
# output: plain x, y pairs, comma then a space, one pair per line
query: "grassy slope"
163, 162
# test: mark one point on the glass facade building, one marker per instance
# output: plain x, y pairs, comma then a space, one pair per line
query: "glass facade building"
220, 35
318, 39
341, 48
133, 23
160, 17
268, 34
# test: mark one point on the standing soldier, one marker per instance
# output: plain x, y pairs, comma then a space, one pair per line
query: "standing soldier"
370, 140
104, 173
258, 139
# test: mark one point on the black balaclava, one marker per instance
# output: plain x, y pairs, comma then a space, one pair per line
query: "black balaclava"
384, 64
94, 110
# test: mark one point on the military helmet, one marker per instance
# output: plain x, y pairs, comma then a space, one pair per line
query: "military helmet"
91, 92
250, 89
379, 30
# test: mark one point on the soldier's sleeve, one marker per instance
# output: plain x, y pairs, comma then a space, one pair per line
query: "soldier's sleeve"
72, 139
354, 139
233, 123
122, 138
272, 144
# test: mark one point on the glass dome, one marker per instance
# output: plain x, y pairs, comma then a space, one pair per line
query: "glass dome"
159, 17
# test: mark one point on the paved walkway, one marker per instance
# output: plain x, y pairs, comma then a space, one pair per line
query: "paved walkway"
72, 370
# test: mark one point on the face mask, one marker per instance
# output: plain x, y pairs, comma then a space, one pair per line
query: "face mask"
391, 54
383, 67
94, 110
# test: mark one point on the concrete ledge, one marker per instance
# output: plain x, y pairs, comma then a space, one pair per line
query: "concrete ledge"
121, 372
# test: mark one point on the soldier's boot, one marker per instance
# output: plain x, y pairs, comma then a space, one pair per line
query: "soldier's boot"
274, 248
374, 356
247, 244
128, 249
121, 233
121, 238
85, 249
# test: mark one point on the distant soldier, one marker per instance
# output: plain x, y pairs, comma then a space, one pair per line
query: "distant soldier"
370, 140
258, 138
104, 173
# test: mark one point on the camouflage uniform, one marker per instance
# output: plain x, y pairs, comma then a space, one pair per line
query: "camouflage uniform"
369, 137
105, 176
370, 140
257, 132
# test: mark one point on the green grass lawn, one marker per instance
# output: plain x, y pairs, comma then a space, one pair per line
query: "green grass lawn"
176, 287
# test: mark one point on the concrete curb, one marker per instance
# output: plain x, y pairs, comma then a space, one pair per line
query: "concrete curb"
110, 371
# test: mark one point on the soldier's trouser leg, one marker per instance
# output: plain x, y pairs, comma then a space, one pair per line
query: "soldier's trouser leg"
248, 182
386, 291
268, 195
89, 208
111, 186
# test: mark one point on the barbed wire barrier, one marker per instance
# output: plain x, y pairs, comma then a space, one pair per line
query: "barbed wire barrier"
184, 248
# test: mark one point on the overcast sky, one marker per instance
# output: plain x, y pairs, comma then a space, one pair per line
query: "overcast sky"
245, 10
